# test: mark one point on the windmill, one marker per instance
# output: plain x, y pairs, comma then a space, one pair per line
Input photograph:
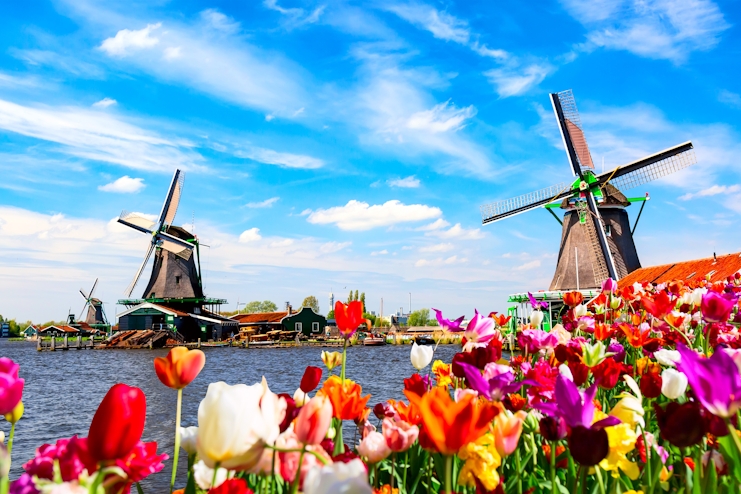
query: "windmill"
596, 240
95, 314
175, 274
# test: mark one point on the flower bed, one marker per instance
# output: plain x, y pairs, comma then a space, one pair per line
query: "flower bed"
638, 390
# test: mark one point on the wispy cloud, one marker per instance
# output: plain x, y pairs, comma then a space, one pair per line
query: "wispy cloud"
661, 29
513, 81
295, 16
127, 41
528, 266
124, 185
105, 103
457, 232
410, 182
711, 191
441, 261
286, 160
444, 247
359, 216
441, 118
441, 24
267, 203
729, 98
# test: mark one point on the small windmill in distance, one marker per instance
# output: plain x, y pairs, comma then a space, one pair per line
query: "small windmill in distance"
95, 314
596, 240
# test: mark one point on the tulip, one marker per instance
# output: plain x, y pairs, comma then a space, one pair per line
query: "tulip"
14, 416
383, 410
204, 476
479, 332
572, 299
374, 448
118, 423
609, 285
681, 425
348, 317
673, 383
588, 446
291, 411
536, 317
447, 324
311, 378
399, 435
347, 402
300, 397
564, 370
313, 421
235, 423
331, 359
715, 381
180, 367
232, 486
717, 307
189, 439
552, 428
421, 356
350, 477
666, 357
580, 311
507, 430
11, 386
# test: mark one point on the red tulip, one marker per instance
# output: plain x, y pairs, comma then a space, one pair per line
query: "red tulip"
681, 425
572, 299
11, 386
588, 446
659, 306
232, 486
180, 367
310, 380
651, 384
291, 411
313, 420
118, 423
349, 317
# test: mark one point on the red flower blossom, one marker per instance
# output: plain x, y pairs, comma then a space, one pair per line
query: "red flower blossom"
478, 357
564, 353
608, 372
142, 462
572, 299
232, 486
579, 371
311, 378
681, 425
349, 317
71, 454
651, 384
514, 402
417, 384
658, 306
118, 423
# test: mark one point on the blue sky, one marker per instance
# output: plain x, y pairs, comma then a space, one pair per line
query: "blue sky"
331, 145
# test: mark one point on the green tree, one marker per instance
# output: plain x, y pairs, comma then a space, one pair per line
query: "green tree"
370, 317
330, 315
311, 302
356, 296
419, 317
349, 297
257, 306
362, 300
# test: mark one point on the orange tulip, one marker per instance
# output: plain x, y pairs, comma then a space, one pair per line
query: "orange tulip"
407, 413
450, 425
347, 404
180, 367
572, 299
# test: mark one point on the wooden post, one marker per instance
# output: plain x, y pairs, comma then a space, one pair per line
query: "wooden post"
65, 343
79, 342
53, 343
38, 343
199, 343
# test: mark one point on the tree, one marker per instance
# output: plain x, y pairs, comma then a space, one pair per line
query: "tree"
330, 315
257, 306
419, 317
311, 302
349, 298
356, 295
362, 299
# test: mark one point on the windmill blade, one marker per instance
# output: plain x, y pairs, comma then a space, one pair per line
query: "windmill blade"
92, 290
175, 248
82, 312
83, 294
572, 134
131, 287
601, 236
651, 167
510, 207
182, 244
172, 200
136, 222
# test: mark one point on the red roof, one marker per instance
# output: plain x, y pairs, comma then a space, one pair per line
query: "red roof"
259, 317
713, 269
64, 329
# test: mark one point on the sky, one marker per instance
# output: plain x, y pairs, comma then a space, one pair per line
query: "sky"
337, 145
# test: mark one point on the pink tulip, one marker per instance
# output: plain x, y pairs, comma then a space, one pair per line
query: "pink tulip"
11, 386
374, 448
507, 430
717, 307
313, 420
399, 435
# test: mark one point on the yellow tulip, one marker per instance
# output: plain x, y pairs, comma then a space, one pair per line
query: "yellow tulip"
331, 359
16, 414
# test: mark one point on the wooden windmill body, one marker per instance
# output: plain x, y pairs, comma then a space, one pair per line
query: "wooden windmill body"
596, 238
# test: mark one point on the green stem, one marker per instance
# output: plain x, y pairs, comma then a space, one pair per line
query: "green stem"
10, 439
344, 359
297, 480
177, 440
553, 467
598, 471
448, 475
5, 481
393, 471
213, 479
404, 475
519, 472
734, 435
272, 474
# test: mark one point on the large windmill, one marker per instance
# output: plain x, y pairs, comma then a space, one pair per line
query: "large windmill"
92, 312
596, 240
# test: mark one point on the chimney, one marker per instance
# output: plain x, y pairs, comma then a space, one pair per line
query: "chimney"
289, 309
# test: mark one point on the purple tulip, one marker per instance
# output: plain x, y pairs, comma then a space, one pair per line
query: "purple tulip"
576, 410
617, 349
447, 324
715, 381
535, 304
479, 332
11, 386
717, 307
495, 388
533, 340
609, 285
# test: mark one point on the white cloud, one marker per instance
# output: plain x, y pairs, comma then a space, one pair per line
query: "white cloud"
251, 235
729, 98
499, 55
267, 203
172, 52
359, 216
661, 29
379, 252
712, 191
295, 16
444, 247
331, 247
441, 118
282, 243
219, 21
435, 225
528, 265
124, 185
99, 136
105, 103
127, 40
440, 261
457, 232
407, 183
510, 81
441, 24
287, 160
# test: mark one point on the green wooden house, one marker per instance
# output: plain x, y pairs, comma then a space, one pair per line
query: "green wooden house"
305, 321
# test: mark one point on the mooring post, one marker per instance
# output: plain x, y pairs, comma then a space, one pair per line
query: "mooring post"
79, 342
199, 343
65, 343
53, 343
38, 343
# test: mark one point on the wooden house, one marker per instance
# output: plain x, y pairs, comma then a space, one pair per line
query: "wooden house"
200, 323
305, 321
60, 330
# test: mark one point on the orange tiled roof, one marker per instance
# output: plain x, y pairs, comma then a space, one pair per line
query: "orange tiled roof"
259, 317
688, 271
64, 329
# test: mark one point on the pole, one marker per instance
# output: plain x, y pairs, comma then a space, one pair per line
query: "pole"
576, 258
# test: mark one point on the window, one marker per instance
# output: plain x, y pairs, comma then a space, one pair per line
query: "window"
690, 275
177, 280
315, 327
711, 273
299, 327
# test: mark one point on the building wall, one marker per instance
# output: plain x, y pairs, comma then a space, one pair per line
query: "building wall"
311, 322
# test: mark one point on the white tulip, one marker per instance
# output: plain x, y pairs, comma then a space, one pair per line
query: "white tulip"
666, 357
2, 437
65, 488
235, 423
580, 310
204, 476
564, 370
300, 397
338, 478
536, 317
421, 356
188, 439
673, 383
697, 294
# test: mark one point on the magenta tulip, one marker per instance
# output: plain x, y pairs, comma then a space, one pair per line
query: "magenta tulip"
717, 307
11, 386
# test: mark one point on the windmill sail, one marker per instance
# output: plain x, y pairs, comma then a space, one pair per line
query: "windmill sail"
133, 283
651, 167
510, 207
170, 207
